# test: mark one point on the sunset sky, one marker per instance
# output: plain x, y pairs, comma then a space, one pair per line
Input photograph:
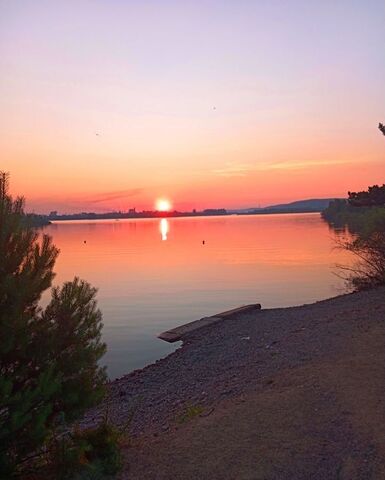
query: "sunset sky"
112, 104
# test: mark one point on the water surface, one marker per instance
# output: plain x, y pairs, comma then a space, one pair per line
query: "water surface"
154, 274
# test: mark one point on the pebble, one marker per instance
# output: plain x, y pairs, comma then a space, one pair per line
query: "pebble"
212, 358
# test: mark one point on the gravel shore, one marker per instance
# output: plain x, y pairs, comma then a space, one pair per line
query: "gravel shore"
234, 358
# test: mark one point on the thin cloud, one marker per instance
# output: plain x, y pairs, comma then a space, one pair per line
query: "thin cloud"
83, 202
234, 170
243, 169
106, 197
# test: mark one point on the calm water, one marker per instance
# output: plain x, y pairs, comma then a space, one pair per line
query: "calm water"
155, 274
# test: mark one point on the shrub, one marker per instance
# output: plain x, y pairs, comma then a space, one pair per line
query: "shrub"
369, 271
48, 359
93, 453
190, 412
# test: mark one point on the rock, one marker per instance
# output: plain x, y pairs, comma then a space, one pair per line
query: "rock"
227, 392
207, 412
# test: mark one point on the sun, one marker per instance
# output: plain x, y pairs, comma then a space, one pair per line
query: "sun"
163, 205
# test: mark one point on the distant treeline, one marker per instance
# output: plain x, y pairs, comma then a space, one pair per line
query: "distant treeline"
374, 196
363, 216
360, 212
34, 220
340, 214
134, 214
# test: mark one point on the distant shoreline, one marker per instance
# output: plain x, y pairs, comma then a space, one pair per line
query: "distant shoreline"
313, 205
64, 218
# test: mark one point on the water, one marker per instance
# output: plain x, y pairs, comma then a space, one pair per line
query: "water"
155, 274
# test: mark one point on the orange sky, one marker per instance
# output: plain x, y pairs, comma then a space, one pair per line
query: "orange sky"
209, 106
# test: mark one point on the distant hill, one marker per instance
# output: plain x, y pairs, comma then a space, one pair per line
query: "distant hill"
313, 204
299, 206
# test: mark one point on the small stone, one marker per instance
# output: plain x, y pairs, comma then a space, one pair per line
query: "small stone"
207, 412
226, 392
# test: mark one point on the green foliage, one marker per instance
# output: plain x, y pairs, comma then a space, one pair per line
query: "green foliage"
34, 220
26, 384
72, 323
93, 453
48, 359
336, 212
367, 241
362, 220
190, 412
374, 196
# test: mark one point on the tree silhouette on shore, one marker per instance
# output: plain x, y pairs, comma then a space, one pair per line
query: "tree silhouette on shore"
49, 371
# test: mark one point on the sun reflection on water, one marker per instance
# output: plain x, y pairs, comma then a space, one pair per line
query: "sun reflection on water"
164, 228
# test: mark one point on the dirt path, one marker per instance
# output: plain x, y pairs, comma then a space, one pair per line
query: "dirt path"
324, 420
293, 393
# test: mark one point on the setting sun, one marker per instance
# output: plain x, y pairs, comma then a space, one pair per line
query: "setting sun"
163, 205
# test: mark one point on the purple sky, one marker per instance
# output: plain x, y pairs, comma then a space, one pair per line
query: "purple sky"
207, 103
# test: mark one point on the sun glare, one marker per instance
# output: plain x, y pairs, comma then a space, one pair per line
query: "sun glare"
163, 205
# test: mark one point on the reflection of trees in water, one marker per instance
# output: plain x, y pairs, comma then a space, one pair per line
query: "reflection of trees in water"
341, 215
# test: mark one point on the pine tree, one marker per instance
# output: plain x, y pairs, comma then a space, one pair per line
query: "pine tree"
74, 325
48, 359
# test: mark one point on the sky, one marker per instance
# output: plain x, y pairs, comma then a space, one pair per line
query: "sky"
112, 104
